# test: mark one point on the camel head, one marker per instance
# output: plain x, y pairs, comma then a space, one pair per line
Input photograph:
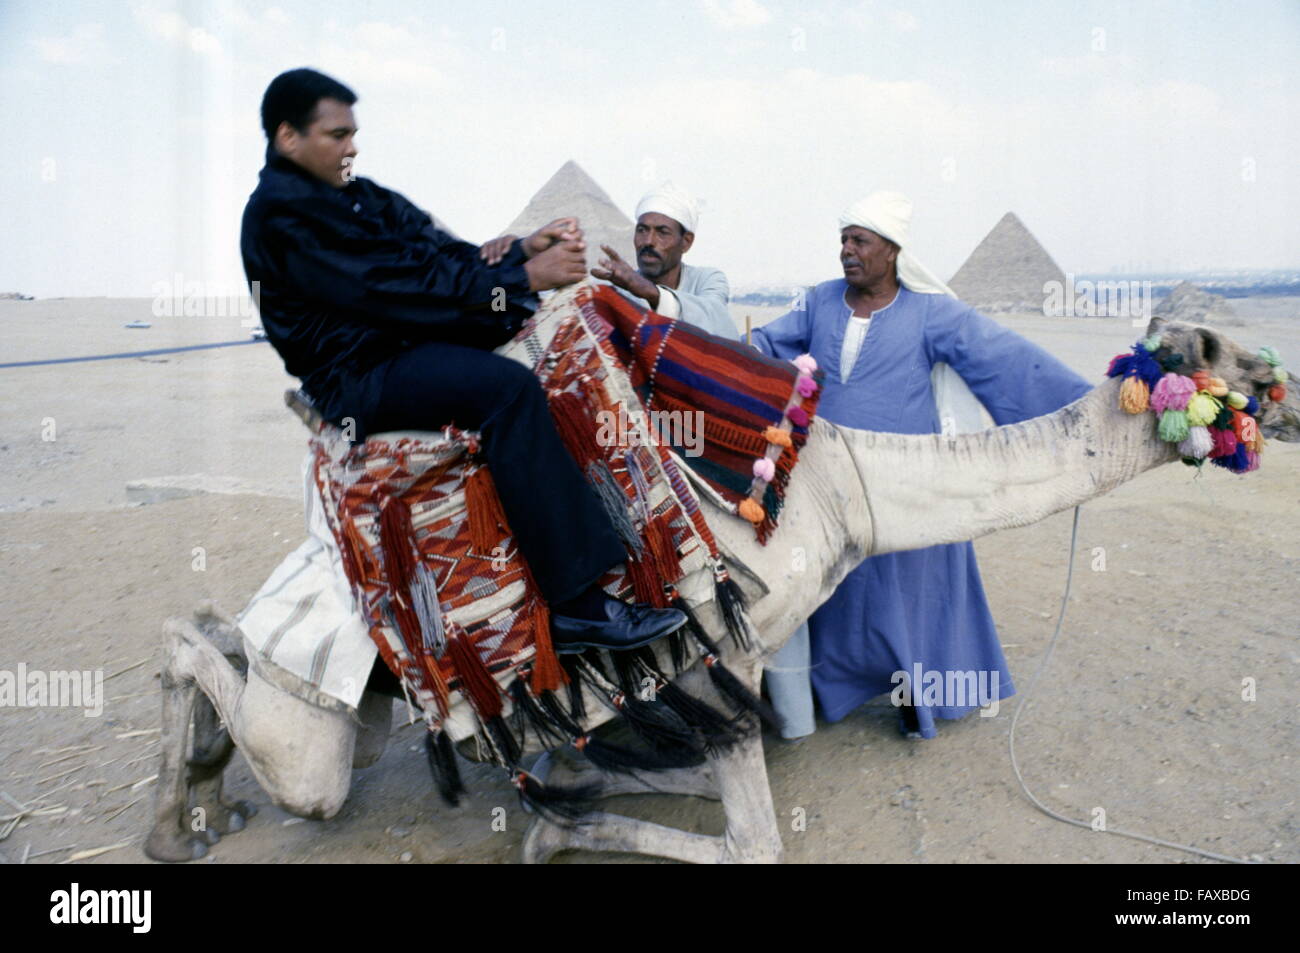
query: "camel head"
1204, 348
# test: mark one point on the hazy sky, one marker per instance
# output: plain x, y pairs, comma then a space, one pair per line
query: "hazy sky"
1124, 134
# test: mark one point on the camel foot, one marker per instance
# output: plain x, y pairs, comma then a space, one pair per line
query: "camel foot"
542, 841
227, 817
173, 847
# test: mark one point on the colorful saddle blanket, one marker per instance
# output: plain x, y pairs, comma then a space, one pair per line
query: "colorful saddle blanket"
428, 552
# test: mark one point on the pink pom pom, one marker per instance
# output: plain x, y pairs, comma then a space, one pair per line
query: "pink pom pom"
1172, 392
798, 416
806, 386
764, 469
806, 363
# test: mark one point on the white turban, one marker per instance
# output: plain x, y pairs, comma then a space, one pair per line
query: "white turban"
669, 200
890, 214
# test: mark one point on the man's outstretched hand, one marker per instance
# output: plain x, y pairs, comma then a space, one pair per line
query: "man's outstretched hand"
560, 230
617, 272
559, 265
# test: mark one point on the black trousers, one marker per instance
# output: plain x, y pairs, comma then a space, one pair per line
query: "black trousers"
558, 522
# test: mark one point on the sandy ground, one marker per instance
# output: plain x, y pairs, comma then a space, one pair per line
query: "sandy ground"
1140, 713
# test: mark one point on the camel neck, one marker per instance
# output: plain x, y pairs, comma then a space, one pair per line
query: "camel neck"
923, 490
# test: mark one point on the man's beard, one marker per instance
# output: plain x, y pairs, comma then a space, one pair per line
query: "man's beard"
651, 267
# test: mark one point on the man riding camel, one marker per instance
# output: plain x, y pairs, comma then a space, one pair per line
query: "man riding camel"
390, 324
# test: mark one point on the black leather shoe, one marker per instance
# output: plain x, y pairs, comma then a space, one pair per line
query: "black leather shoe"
624, 627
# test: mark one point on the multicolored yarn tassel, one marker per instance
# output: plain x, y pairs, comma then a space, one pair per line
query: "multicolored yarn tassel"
1134, 396
1197, 411
779, 440
1171, 393
1202, 409
1198, 444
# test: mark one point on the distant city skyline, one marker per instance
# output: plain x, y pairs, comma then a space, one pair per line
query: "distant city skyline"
1154, 137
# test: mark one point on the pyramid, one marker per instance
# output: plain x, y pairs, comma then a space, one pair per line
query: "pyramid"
1007, 270
1187, 302
571, 191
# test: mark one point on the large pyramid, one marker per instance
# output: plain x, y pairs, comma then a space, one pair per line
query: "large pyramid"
1007, 270
572, 192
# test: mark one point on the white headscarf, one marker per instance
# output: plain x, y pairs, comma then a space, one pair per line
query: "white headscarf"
890, 214
669, 200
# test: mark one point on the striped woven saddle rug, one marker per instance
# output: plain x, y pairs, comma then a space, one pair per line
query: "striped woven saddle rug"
447, 596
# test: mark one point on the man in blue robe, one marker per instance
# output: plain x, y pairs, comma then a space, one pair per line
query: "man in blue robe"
878, 332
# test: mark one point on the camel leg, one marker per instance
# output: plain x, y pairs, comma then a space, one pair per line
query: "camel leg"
375, 712
213, 747
613, 832
600, 831
300, 754
752, 835
186, 670
739, 776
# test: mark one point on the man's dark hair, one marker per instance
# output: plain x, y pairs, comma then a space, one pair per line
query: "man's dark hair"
292, 98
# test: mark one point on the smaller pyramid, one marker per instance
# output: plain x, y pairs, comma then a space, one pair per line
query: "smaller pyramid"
571, 191
1187, 302
1007, 270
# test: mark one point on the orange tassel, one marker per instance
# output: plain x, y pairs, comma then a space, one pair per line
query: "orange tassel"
777, 436
1134, 395
487, 522
1277, 392
548, 675
752, 510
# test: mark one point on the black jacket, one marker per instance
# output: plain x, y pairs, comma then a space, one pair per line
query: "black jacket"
349, 277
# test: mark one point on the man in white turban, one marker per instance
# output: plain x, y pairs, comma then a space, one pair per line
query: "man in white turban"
665, 230
878, 333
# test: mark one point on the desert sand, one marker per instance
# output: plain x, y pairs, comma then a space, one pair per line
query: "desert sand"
1140, 713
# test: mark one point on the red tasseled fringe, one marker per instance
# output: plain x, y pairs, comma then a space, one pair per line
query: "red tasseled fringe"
428, 665
407, 622
645, 582
576, 428
487, 522
397, 536
349, 553
663, 550
547, 675
475, 680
